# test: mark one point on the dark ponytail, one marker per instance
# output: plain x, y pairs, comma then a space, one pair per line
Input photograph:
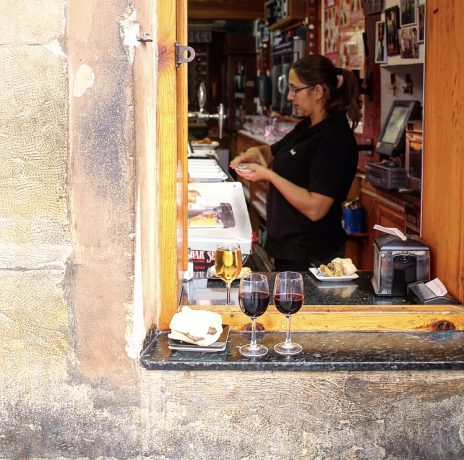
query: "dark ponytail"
341, 85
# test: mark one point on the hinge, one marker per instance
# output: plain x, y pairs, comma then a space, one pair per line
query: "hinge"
180, 50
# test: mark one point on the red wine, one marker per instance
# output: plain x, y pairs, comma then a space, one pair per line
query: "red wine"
254, 303
288, 303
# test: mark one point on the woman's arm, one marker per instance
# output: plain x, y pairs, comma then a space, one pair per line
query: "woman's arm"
261, 155
311, 204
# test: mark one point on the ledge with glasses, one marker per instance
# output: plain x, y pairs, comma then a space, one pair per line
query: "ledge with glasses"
340, 326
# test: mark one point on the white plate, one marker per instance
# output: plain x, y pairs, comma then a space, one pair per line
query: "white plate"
213, 145
241, 167
315, 271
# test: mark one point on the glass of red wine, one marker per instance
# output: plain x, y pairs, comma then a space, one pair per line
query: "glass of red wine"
288, 299
253, 298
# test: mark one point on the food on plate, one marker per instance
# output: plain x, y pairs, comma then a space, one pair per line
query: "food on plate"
338, 267
244, 271
199, 327
193, 195
205, 140
206, 219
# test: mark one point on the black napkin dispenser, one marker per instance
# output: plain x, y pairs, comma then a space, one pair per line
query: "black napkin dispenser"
398, 263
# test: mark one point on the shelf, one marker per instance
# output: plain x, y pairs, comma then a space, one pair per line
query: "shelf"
397, 61
296, 12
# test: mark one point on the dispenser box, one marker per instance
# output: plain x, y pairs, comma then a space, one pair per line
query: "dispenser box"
398, 263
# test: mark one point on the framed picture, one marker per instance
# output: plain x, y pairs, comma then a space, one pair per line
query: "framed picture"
421, 23
380, 43
372, 6
409, 46
392, 24
408, 12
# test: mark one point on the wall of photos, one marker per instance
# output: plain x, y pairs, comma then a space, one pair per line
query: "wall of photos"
400, 51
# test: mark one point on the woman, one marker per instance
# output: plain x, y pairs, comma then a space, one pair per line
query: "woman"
313, 167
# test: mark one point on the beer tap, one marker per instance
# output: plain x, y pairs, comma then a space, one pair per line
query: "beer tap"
202, 115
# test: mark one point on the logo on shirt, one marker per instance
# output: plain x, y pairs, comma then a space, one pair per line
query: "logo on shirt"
293, 151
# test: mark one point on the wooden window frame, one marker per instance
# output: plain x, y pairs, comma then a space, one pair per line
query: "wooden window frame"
163, 233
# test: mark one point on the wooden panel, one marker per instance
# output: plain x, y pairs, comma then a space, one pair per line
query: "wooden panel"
167, 154
381, 211
225, 9
182, 139
443, 176
145, 119
352, 318
389, 217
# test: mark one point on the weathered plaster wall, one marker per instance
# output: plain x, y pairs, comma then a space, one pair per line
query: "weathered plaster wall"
295, 415
67, 386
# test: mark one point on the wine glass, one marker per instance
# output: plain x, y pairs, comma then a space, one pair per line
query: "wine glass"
253, 299
228, 264
288, 299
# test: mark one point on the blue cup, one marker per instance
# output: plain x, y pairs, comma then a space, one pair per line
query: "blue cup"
353, 220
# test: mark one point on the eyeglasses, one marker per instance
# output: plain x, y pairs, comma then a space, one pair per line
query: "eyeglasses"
293, 90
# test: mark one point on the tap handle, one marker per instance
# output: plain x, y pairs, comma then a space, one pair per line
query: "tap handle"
221, 118
202, 96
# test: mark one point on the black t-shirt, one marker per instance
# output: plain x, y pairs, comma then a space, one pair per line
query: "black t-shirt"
322, 159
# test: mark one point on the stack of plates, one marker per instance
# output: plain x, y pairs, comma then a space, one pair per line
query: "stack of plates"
205, 170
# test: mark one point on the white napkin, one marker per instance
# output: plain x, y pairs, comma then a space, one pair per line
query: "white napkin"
391, 231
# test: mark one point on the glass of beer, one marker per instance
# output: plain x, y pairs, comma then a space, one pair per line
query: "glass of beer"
228, 264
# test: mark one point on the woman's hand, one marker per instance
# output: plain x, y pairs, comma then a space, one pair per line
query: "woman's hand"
252, 155
255, 172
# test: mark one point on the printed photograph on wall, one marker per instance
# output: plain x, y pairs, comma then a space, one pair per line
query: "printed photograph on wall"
380, 43
391, 22
409, 47
331, 28
408, 12
421, 23
345, 13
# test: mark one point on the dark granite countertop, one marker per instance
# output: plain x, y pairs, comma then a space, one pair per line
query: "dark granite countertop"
322, 351
353, 292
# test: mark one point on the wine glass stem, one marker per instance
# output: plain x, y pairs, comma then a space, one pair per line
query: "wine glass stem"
288, 339
228, 294
253, 333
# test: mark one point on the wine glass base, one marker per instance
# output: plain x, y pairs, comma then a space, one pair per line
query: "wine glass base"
250, 351
291, 348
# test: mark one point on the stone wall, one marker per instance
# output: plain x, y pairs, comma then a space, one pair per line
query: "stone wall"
67, 386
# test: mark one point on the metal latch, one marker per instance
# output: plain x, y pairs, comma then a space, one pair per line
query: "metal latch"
144, 38
180, 50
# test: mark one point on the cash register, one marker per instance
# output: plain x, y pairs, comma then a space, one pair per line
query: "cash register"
389, 173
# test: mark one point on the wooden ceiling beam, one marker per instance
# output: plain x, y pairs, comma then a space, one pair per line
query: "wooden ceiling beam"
225, 9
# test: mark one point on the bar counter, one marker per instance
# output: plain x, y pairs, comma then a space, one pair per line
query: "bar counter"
203, 291
436, 344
